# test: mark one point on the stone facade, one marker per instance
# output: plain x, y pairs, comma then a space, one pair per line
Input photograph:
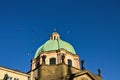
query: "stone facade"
13, 74
62, 72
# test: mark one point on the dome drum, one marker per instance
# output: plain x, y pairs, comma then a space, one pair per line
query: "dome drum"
58, 58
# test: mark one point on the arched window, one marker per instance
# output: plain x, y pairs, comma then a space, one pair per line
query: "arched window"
54, 37
37, 64
52, 60
69, 62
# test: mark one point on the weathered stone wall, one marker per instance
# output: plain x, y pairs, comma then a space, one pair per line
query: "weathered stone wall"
55, 72
50, 72
62, 72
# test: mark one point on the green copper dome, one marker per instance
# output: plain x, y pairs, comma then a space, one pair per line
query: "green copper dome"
55, 44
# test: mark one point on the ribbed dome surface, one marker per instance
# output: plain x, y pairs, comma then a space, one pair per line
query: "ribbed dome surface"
55, 45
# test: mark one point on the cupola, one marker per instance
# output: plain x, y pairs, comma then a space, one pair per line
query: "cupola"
54, 36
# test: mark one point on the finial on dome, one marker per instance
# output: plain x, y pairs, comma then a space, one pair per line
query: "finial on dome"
54, 29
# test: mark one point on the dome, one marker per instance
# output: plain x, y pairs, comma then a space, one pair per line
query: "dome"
54, 44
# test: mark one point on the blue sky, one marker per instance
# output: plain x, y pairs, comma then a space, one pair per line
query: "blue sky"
91, 26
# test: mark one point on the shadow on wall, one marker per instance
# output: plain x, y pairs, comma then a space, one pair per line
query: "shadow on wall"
71, 76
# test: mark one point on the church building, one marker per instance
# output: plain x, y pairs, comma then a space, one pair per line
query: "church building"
55, 60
